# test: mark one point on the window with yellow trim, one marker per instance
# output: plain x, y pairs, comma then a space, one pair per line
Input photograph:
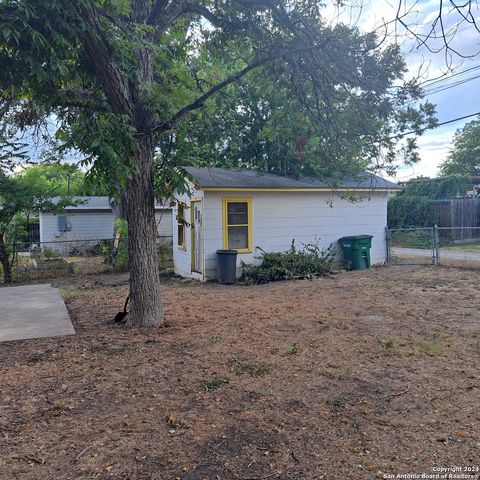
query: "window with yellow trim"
181, 226
237, 224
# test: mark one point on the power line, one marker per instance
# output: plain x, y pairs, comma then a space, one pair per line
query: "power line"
442, 88
440, 85
401, 135
442, 78
429, 83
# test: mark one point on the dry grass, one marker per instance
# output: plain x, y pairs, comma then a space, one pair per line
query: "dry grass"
353, 377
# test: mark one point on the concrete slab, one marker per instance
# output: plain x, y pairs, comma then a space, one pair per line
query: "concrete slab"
33, 311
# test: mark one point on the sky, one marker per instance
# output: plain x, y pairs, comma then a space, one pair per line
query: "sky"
452, 96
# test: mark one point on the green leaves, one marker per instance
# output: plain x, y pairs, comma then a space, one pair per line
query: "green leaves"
325, 101
309, 261
406, 211
413, 206
26, 194
115, 7
464, 159
291, 118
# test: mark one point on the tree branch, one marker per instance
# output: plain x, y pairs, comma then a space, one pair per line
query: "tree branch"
164, 13
199, 102
438, 31
157, 11
100, 54
215, 20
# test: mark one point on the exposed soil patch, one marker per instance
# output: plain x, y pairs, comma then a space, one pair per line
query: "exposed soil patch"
365, 374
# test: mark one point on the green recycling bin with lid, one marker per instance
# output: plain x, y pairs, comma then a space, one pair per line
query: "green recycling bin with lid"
356, 251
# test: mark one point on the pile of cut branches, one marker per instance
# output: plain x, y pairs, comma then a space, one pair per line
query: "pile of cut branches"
307, 262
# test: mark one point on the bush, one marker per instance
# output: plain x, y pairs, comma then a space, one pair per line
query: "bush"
440, 188
404, 211
117, 256
308, 262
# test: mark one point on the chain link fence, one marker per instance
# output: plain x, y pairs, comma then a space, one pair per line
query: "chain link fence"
37, 260
410, 246
449, 246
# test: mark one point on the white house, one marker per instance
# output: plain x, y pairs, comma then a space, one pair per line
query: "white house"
243, 210
93, 219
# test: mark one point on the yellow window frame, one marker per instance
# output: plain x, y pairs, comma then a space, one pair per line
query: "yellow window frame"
182, 246
248, 201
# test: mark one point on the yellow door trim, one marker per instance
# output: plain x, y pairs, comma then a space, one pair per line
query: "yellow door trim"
192, 235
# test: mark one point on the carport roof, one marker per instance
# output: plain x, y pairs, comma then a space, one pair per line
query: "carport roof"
226, 178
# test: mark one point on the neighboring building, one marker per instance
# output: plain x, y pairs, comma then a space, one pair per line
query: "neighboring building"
93, 219
243, 210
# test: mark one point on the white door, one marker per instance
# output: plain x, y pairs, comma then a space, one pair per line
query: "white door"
197, 244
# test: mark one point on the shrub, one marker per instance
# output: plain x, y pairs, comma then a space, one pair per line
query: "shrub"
117, 256
308, 262
49, 253
404, 211
412, 238
440, 188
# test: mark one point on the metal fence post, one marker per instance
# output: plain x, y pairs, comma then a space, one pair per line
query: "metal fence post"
436, 246
387, 244
432, 240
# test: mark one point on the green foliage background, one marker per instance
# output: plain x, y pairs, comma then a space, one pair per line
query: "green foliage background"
405, 211
412, 206
464, 158
438, 188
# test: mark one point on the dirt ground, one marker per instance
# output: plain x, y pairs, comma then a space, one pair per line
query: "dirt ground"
359, 376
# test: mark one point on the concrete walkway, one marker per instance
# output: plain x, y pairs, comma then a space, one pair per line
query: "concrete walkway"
33, 311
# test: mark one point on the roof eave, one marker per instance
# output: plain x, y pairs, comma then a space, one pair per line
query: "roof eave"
305, 189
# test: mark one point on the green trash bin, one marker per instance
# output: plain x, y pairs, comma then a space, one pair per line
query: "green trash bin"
356, 251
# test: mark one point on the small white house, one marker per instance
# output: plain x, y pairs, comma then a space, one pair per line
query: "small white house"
93, 219
243, 210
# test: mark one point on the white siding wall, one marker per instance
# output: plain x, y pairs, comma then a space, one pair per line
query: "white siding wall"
93, 225
280, 217
164, 225
182, 259
85, 226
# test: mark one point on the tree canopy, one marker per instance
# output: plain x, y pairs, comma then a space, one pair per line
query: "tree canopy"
311, 96
57, 179
412, 206
440, 188
22, 196
464, 158
283, 125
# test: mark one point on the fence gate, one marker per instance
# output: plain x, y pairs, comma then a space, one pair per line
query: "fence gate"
449, 246
411, 246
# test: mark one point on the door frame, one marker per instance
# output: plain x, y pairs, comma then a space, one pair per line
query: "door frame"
192, 235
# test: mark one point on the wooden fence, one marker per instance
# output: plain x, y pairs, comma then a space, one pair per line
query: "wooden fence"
461, 213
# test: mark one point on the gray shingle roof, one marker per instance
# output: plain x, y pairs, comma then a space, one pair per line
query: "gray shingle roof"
88, 203
244, 179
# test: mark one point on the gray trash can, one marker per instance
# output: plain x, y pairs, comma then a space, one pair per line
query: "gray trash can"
226, 266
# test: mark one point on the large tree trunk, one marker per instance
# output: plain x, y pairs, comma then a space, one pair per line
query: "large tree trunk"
145, 304
125, 94
4, 260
